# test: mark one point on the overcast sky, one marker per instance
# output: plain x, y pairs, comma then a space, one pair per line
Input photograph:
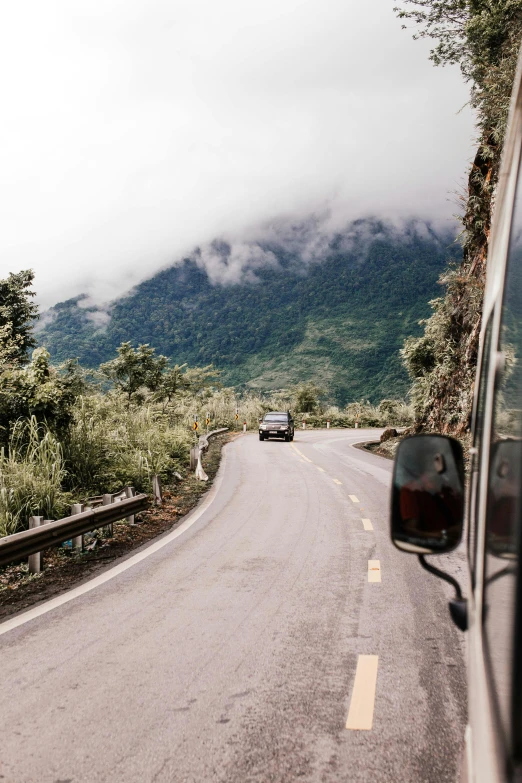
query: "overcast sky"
134, 130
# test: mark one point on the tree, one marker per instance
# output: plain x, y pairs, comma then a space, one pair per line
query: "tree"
9, 347
307, 398
198, 379
17, 314
173, 382
37, 390
134, 370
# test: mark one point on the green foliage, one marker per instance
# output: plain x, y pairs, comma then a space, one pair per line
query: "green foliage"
111, 443
17, 314
135, 370
388, 413
173, 382
38, 390
31, 476
307, 398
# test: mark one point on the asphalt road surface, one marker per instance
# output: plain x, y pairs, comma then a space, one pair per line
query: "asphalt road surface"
238, 649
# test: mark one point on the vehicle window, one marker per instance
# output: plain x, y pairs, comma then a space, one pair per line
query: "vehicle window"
504, 490
276, 417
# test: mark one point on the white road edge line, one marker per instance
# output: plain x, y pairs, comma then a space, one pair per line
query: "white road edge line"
374, 570
367, 524
360, 715
70, 595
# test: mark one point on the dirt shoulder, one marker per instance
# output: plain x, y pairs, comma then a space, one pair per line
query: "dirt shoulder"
64, 569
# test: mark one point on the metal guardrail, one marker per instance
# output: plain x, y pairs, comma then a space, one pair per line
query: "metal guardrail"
103, 511
29, 542
197, 451
101, 500
204, 439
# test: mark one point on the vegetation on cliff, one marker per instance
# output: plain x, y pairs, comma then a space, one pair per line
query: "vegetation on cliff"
483, 37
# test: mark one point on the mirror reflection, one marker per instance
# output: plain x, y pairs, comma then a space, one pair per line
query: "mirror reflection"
428, 494
503, 499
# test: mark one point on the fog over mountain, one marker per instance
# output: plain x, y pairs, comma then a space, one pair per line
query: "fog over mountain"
304, 306
135, 131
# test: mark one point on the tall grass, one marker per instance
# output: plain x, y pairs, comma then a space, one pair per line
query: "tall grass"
31, 476
110, 444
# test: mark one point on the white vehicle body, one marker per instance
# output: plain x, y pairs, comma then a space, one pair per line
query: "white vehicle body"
427, 509
491, 748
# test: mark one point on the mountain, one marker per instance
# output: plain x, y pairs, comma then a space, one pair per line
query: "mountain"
336, 316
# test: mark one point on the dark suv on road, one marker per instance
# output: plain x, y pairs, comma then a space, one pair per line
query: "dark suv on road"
277, 424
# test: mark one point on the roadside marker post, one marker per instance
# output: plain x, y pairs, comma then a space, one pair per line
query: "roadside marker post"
107, 500
244, 426
328, 424
194, 454
156, 490
304, 424
34, 562
77, 542
129, 493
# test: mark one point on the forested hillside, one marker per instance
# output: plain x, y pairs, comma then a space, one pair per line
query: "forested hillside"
339, 322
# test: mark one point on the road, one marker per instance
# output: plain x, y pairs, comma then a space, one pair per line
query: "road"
230, 652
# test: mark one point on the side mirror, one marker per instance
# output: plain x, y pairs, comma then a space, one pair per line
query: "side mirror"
427, 508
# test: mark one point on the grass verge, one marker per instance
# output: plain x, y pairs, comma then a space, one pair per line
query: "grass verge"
19, 590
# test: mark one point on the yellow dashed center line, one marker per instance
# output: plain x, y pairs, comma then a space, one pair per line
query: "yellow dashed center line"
301, 453
320, 469
367, 525
360, 715
338, 482
354, 498
374, 570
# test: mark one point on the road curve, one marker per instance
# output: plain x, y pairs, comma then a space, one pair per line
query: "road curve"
230, 654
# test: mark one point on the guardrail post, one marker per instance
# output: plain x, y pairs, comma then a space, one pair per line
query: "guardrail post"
129, 493
200, 473
107, 500
194, 453
35, 561
156, 490
77, 542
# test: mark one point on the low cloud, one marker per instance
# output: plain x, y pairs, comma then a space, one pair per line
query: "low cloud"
100, 318
233, 260
235, 263
134, 132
